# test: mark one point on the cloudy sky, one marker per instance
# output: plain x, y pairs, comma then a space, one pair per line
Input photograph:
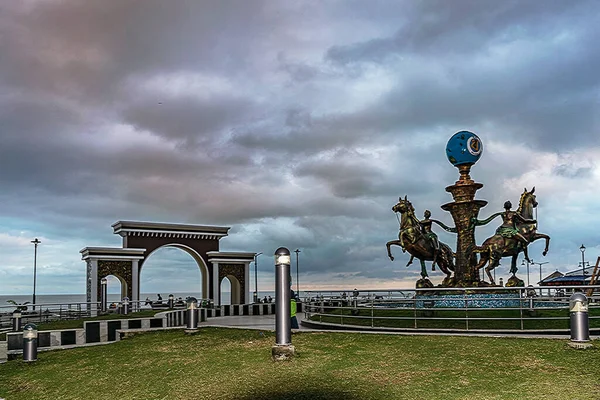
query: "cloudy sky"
298, 124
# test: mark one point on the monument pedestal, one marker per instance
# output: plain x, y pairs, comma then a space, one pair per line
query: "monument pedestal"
464, 209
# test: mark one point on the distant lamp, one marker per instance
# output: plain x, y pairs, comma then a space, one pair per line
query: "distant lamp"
582, 248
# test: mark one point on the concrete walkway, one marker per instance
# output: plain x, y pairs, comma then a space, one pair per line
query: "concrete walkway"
261, 322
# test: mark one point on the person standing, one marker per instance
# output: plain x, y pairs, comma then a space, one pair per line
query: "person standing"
293, 311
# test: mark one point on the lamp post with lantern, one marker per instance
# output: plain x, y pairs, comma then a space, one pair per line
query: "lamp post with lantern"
582, 248
256, 277
35, 242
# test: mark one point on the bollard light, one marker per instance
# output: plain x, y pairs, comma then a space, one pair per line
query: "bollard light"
283, 348
16, 321
171, 301
192, 315
103, 294
30, 337
125, 305
580, 330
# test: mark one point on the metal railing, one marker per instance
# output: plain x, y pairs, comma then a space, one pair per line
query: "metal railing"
48, 312
451, 309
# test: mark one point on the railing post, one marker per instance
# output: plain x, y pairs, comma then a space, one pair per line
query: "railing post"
372, 313
464, 294
521, 299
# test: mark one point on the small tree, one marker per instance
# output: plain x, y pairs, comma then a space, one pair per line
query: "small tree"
20, 307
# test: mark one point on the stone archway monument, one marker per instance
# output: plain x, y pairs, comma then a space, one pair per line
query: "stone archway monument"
141, 239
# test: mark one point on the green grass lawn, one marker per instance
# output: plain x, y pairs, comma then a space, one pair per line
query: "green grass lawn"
236, 364
433, 318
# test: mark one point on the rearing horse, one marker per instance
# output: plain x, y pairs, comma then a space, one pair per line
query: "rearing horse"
497, 246
412, 239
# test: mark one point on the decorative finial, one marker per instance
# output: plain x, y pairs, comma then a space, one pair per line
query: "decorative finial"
463, 150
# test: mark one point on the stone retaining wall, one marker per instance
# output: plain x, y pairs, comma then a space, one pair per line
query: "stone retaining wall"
104, 331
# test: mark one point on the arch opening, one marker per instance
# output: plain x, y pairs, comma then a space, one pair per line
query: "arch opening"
230, 290
173, 269
116, 288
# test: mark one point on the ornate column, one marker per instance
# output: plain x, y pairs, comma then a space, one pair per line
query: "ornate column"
463, 150
135, 281
247, 283
215, 284
463, 210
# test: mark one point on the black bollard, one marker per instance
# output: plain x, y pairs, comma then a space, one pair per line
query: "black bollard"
580, 328
30, 336
192, 315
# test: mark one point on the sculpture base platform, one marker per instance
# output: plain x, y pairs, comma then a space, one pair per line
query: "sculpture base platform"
282, 352
424, 283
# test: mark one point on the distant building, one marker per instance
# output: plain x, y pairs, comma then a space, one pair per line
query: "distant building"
572, 278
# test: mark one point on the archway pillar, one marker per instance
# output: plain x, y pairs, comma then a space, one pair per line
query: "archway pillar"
231, 264
135, 282
216, 290
104, 261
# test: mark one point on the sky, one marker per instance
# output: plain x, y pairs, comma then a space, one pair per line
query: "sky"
297, 124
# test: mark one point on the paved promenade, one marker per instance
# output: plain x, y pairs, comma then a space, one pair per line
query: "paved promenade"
267, 322
263, 322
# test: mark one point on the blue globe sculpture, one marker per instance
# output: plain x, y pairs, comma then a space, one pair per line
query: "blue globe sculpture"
464, 148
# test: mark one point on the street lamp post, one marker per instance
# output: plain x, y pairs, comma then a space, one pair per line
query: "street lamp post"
540, 264
582, 248
256, 277
297, 251
35, 242
523, 263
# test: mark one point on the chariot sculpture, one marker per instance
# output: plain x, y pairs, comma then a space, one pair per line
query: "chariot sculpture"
462, 268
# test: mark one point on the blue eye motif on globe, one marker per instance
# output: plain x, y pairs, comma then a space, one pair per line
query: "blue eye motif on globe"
464, 148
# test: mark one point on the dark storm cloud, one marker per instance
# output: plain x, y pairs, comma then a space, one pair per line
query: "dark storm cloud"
467, 27
295, 124
188, 118
544, 86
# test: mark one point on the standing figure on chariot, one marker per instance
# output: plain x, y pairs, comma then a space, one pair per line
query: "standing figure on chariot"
509, 229
430, 236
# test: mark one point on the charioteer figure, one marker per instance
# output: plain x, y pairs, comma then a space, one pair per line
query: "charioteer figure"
430, 236
508, 229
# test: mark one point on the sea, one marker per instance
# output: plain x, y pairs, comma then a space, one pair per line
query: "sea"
112, 297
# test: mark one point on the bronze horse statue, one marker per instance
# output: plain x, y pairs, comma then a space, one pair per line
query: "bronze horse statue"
411, 238
500, 245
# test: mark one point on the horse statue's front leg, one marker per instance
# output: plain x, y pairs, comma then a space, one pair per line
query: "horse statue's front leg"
389, 250
488, 270
542, 236
410, 261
